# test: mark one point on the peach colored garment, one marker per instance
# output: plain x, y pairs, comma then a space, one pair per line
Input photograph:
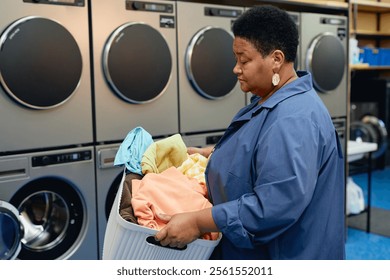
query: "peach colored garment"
169, 192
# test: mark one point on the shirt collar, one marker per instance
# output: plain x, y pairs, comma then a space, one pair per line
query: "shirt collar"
299, 86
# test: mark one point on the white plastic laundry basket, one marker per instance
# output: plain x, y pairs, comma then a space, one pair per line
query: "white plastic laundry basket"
128, 241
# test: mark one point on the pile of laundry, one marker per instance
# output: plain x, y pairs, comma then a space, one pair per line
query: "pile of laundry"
160, 178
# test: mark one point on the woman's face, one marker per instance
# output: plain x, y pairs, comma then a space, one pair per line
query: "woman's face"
253, 71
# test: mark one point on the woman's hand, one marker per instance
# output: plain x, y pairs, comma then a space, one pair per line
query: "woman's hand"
184, 228
205, 151
180, 230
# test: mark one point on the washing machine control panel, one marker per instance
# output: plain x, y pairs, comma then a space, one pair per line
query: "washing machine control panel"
58, 2
232, 13
342, 23
61, 158
149, 6
333, 21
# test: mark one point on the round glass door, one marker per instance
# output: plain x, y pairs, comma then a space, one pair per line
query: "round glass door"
40, 63
11, 232
137, 63
209, 63
52, 215
326, 60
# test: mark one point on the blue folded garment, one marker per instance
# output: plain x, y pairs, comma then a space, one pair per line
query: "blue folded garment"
131, 150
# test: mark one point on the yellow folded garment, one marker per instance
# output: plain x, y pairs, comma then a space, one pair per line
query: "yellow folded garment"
194, 167
162, 154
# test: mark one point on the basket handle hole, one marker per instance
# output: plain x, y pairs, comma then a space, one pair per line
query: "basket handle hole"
153, 241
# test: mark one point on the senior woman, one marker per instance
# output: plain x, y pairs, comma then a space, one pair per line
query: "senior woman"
276, 177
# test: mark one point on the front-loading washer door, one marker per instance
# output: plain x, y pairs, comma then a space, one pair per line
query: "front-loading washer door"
111, 194
40, 63
326, 61
11, 231
137, 63
209, 63
52, 213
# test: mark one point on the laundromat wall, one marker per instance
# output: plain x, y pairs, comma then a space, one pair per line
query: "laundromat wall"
77, 75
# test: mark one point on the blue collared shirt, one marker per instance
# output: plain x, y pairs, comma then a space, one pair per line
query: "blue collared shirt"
276, 179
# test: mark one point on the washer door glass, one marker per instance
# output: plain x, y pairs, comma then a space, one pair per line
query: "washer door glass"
137, 63
52, 215
111, 194
10, 231
209, 63
326, 60
40, 63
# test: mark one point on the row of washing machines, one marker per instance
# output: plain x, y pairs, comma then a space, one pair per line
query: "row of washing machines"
76, 76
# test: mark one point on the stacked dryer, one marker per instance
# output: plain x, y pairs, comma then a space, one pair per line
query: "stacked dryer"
135, 83
45, 94
209, 94
324, 54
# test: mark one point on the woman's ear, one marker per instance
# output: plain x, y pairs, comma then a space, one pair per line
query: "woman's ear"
278, 58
